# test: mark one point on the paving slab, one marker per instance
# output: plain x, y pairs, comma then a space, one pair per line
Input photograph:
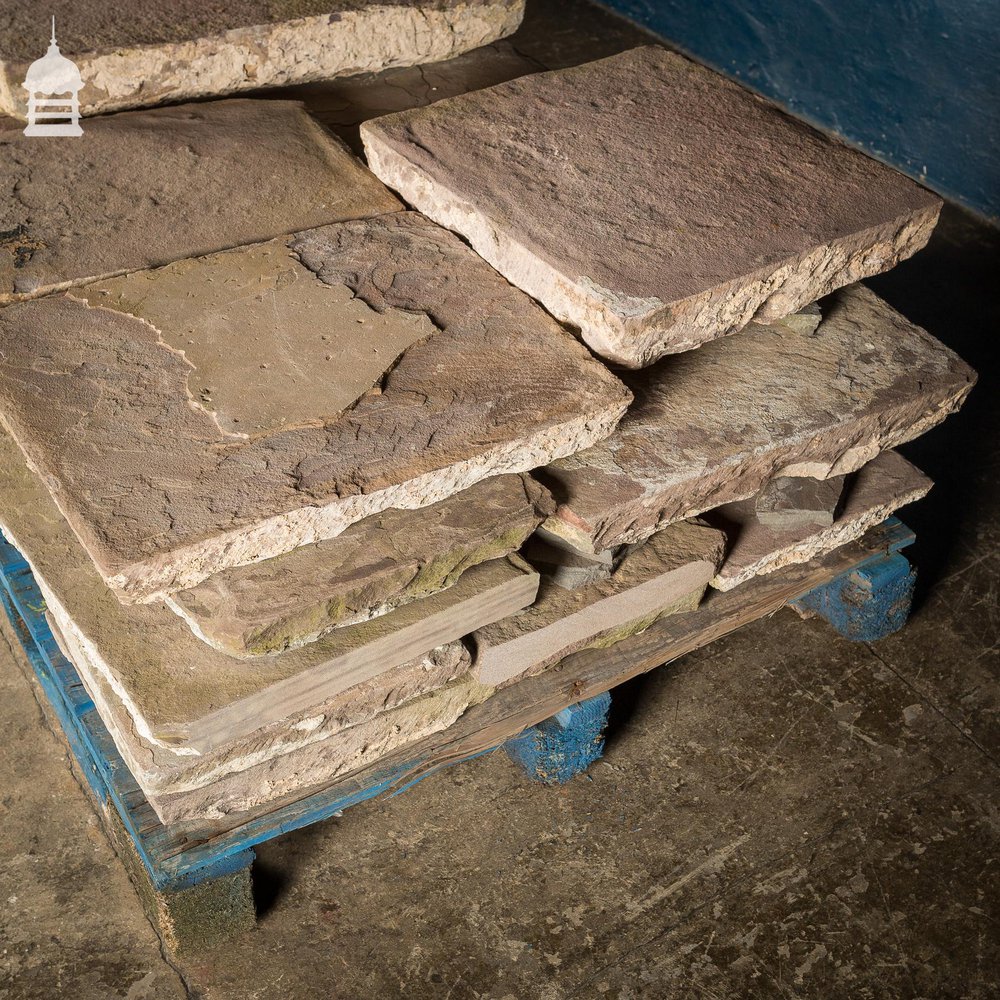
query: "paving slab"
875, 491
132, 55
648, 201
667, 575
144, 188
129, 397
184, 715
375, 566
797, 501
714, 425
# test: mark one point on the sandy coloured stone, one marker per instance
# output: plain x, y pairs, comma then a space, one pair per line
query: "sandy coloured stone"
144, 188
376, 565
799, 501
667, 575
184, 715
648, 201
712, 426
875, 491
128, 397
135, 55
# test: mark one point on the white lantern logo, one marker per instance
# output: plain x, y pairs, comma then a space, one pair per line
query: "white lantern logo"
53, 84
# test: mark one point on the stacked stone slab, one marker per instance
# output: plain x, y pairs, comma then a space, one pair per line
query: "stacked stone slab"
133, 55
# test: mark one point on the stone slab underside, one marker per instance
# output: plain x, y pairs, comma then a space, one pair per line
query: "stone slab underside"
135, 55
376, 565
184, 715
874, 492
120, 398
667, 575
648, 201
714, 425
141, 189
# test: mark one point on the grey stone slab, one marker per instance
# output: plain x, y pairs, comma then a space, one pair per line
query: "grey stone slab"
144, 188
128, 395
714, 425
135, 55
648, 201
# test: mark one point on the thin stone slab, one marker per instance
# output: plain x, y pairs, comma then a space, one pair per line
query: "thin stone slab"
135, 55
130, 398
875, 491
667, 575
648, 201
144, 188
800, 501
184, 715
714, 425
375, 566
565, 566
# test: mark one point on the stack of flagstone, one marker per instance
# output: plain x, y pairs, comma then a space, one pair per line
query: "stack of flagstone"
269, 455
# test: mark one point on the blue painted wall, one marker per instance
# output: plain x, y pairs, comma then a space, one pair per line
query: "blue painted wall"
915, 82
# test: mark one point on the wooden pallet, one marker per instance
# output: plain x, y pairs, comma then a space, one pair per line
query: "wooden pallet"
195, 882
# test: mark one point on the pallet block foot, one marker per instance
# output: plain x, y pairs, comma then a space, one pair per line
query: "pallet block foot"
565, 745
870, 601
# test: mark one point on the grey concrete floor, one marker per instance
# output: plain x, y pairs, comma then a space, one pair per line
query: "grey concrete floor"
782, 814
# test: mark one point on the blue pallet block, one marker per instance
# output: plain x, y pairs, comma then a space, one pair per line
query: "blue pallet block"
873, 599
565, 745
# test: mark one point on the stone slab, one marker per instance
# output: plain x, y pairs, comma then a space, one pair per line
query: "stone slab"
144, 188
135, 55
667, 575
564, 565
648, 201
185, 716
135, 426
798, 501
375, 566
875, 491
712, 426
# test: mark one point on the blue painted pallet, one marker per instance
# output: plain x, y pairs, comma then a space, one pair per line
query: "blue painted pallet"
551, 724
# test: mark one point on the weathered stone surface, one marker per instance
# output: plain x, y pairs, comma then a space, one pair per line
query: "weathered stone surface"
139, 443
648, 201
874, 492
379, 564
667, 575
714, 425
564, 565
134, 55
798, 501
185, 715
148, 187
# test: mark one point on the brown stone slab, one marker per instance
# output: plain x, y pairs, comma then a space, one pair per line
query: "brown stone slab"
667, 575
142, 189
440, 375
875, 491
184, 715
798, 501
648, 201
714, 425
376, 565
135, 55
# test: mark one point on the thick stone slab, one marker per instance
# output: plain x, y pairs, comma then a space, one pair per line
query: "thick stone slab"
379, 564
667, 575
185, 716
799, 501
135, 55
129, 398
875, 491
648, 201
142, 189
715, 425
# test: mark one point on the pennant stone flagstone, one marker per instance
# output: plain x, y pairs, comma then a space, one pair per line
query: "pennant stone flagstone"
185, 715
144, 188
648, 201
134, 55
666, 575
714, 425
875, 491
217, 412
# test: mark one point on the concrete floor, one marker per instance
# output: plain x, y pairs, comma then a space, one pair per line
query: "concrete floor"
783, 814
